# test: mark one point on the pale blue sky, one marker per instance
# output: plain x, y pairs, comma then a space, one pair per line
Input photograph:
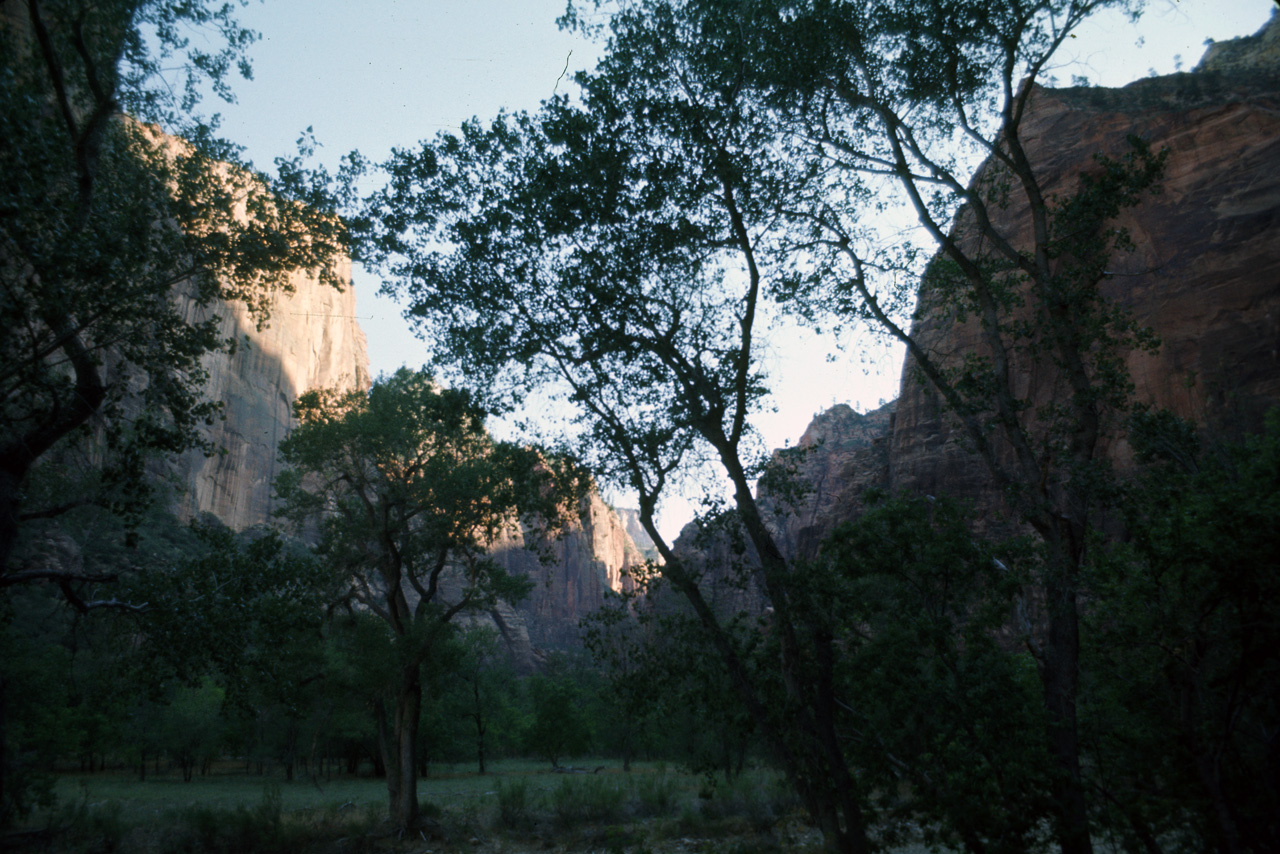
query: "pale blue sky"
382, 73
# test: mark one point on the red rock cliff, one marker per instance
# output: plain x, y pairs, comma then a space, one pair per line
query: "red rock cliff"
1205, 277
1205, 274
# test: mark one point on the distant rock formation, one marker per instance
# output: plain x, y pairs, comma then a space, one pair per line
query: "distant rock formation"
630, 518
314, 340
1246, 54
841, 454
591, 560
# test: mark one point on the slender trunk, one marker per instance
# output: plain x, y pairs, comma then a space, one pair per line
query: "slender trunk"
1060, 684
4, 756
402, 769
807, 774
10, 503
290, 750
388, 757
1208, 771
480, 727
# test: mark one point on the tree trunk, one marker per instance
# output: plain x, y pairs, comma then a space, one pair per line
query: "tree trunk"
401, 749
4, 757
480, 728
1060, 684
10, 490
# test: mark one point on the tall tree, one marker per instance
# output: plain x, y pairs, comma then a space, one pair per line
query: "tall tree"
590, 251
406, 491
728, 160
1183, 704
888, 99
106, 221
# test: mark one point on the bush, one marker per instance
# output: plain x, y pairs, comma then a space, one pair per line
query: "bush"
588, 800
95, 828
759, 799
514, 805
655, 796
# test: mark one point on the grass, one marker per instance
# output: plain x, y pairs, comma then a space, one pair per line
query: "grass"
518, 806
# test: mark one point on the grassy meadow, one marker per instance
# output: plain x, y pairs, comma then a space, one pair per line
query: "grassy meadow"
518, 806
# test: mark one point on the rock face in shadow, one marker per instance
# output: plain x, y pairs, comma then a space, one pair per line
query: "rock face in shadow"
1205, 277
313, 340
811, 488
1205, 274
841, 454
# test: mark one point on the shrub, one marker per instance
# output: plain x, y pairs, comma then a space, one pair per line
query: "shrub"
655, 795
587, 800
514, 805
759, 799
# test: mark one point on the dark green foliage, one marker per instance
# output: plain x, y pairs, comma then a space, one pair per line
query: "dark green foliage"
407, 492
473, 700
732, 160
515, 807
115, 241
595, 800
249, 609
940, 692
104, 221
1185, 679
559, 726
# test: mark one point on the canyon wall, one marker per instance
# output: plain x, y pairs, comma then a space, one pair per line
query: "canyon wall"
313, 340
1205, 276
571, 577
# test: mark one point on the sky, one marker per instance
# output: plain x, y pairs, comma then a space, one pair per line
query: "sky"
383, 73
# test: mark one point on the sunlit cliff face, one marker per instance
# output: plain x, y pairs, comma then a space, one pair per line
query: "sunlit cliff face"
313, 340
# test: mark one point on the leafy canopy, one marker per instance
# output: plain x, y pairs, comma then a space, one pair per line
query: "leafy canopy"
118, 242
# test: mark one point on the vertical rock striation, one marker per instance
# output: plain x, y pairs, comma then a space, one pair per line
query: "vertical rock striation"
571, 577
313, 340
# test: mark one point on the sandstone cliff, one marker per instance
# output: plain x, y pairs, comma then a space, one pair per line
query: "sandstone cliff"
841, 454
1205, 275
571, 577
313, 340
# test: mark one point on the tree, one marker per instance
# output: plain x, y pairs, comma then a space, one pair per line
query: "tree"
406, 491
885, 98
659, 669
727, 161
588, 250
106, 224
947, 727
1184, 687
559, 724
245, 613
483, 678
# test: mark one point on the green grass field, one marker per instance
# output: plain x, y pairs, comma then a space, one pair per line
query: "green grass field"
229, 787
518, 806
